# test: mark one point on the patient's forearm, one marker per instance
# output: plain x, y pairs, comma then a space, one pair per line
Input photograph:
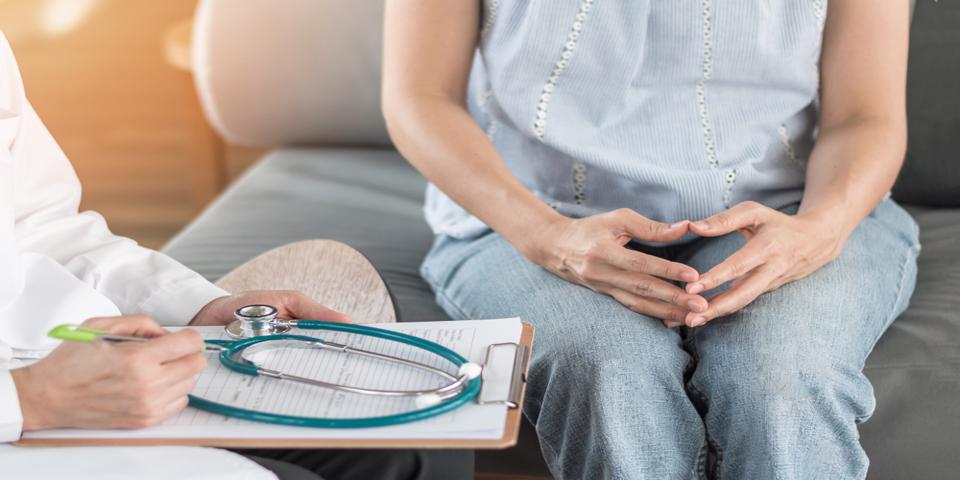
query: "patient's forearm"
440, 138
853, 165
429, 47
862, 120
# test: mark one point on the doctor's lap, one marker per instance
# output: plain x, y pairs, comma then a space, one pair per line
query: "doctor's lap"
773, 391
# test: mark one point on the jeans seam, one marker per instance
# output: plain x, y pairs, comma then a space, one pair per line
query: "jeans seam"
912, 252
701, 469
716, 448
545, 445
708, 439
701, 460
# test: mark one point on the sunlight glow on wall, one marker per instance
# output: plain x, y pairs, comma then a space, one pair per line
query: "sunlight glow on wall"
61, 16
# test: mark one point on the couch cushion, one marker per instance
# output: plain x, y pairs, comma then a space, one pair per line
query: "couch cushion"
296, 72
372, 200
369, 199
915, 367
930, 176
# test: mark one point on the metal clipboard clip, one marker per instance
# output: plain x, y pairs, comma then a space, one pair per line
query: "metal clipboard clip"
518, 375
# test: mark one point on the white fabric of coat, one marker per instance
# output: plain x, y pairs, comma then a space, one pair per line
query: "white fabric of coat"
58, 265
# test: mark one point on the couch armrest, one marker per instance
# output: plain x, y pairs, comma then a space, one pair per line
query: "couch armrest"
294, 72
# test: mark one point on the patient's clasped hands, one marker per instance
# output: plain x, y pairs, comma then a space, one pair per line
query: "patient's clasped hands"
592, 252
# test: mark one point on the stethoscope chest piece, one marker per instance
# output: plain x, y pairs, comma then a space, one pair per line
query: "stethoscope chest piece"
256, 320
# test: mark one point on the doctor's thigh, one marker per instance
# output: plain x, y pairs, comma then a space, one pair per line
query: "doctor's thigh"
365, 464
111, 385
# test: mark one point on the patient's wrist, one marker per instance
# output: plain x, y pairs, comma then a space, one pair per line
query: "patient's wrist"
538, 242
34, 400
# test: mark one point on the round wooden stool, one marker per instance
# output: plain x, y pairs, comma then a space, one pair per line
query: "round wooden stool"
330, 272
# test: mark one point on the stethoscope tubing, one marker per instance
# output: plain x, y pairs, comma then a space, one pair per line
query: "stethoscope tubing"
471, 387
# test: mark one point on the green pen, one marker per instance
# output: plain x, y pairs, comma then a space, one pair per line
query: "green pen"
79, 333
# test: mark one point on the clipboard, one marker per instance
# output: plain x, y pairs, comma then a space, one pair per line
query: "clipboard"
514, 403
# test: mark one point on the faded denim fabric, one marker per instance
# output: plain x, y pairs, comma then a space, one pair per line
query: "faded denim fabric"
773, 392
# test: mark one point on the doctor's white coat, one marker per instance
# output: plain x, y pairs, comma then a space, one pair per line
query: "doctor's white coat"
60, 266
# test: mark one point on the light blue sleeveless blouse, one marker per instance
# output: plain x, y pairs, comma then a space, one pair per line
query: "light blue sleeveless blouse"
677, 109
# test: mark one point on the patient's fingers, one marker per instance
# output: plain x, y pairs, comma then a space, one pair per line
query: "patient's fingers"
758, 282
637, 262
672, 315
740, 263
654, 288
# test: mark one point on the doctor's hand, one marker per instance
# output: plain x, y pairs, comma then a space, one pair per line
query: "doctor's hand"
780, 248
291, 305
111, 385
592, 252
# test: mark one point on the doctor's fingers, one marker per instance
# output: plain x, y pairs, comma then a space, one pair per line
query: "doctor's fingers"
150, 413
141, 378
184, 367
164, 348
649, 286
146, 402
300, 306
174, 393
174, 408
134, 325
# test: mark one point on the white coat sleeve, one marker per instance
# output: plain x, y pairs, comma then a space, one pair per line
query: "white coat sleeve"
46, 201
11, 417
136, 279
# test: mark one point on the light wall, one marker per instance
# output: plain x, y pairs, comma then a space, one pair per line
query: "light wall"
95, 72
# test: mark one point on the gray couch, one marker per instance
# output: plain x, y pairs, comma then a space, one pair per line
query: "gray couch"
304, 78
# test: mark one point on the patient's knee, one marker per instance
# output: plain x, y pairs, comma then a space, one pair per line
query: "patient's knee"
599, 357
774, 379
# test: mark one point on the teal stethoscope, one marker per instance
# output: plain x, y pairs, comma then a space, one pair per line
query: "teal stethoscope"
257, 329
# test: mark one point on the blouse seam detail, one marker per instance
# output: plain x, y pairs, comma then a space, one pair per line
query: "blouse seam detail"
540, 122
492, 129
709, 141
730, 178
492, 124
491, 17
788, 145
579, 182
820, 13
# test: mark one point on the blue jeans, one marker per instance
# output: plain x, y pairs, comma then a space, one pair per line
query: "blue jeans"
774, 391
